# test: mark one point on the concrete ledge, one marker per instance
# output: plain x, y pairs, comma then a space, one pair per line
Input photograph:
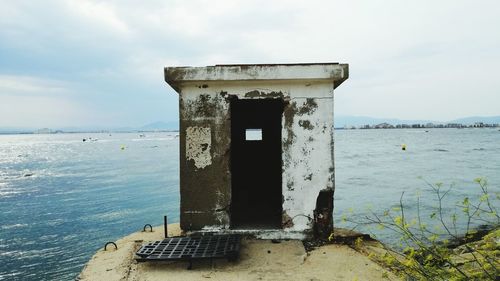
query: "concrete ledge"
178, 76
259, 260
117, 264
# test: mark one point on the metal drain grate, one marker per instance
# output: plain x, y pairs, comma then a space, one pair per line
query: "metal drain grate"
191, 248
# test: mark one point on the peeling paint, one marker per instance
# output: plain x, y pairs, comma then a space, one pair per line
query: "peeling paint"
204, 105
223, 94
207, 188
323, 219
263, 94
287, 221
306, 124
289, 113
309, 107
307, 157
198, 143
306, 151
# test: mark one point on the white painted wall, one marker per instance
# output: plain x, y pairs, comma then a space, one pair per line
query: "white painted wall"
310, 153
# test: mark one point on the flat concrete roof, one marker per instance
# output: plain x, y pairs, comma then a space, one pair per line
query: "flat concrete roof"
178, 76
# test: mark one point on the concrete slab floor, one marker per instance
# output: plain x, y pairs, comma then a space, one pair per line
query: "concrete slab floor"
259, 260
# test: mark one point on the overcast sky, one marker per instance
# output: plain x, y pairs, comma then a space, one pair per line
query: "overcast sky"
88, 63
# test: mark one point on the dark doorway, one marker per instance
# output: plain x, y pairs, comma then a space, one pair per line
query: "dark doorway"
256, 199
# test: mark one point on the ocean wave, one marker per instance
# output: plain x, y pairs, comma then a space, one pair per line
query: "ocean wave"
10, 192
31, 253
17, 225
9, 275
112, 215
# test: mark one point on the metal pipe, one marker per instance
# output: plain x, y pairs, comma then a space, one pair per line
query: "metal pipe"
165, 226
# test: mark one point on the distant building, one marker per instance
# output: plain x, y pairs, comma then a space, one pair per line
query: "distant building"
384, 126
454, 125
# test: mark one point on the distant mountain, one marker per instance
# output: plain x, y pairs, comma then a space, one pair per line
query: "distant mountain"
86, 129
159, 125
474, 119
155, 126
16, 130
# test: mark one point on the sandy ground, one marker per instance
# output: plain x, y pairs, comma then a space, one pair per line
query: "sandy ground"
259, 260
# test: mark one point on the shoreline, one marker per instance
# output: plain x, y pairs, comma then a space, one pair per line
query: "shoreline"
59, 132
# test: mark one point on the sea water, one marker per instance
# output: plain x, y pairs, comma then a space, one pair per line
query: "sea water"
62, 198
373, 174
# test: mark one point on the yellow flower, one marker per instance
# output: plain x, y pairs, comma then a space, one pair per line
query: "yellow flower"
484, 197
398, 220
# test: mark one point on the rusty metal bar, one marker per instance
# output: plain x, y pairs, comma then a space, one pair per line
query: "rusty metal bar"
165, 228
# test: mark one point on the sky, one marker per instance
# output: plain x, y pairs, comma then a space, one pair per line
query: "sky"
100, 63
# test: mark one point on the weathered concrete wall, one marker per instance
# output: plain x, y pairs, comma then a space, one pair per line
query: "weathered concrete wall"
307, 145
307, 140
307, 153
204, 159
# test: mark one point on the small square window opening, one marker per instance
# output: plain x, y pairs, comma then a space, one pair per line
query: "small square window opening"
253, 134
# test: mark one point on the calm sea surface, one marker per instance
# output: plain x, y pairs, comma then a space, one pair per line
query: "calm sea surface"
61, 198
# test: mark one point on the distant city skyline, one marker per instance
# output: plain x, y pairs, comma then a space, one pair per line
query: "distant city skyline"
342, 121
100, 63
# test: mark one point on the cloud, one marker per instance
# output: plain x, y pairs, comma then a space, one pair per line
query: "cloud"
35, 102
409, 59
27, 85
37, 112
100, 15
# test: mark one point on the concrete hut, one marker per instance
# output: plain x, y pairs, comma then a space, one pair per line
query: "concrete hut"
256, 147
